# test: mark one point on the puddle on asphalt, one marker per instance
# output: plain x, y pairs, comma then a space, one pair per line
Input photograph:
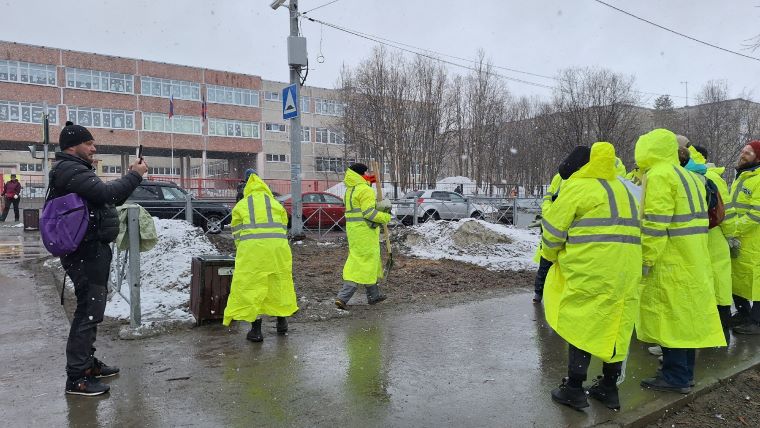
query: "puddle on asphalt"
17, 244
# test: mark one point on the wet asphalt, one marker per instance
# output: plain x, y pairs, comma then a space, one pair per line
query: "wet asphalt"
487, 363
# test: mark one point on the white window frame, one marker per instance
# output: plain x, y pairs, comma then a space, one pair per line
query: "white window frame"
334, 165
50, 72
276, 158
36, 110
305, 104
270, 127
169, 87
101, 77
319, 133
328, 107
73, 111
215, 124
222, 94
272, 96
178, 121
305, 132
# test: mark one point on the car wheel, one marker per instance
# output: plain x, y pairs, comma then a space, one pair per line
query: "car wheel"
214, 224
430, 214
477, 215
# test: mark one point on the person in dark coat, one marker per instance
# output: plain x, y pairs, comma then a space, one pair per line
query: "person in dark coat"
12, 195
89, 265
241, 185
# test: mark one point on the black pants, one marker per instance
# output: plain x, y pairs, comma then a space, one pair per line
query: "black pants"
751, 309
8, 203
577, 366
543, 270
678, 366
88, 267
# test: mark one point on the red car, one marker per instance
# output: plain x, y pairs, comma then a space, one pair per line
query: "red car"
320, 209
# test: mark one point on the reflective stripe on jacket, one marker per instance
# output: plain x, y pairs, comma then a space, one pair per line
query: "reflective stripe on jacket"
363, 265
743, 221
262, 283
592, 235
678, 308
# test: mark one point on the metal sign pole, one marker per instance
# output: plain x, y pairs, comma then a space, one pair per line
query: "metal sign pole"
133, 228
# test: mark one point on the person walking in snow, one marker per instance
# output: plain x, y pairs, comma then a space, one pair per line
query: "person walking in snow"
363, 217
262, 283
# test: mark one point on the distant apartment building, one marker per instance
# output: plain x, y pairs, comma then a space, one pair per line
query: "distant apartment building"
126, 102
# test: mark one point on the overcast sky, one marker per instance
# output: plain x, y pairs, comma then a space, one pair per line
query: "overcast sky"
538, 36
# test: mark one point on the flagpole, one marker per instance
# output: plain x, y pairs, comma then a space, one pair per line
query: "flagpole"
204, 118
172, 143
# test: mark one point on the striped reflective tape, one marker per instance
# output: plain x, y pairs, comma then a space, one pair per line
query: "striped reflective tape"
262, 236
753, 217
737, 191
268, 204
700, 198
258, 226
686, 231
686, 188
551, 244
586, 222
553, 230
611, 238
658, 218
654, 232
610, 198
631, 199
354, 219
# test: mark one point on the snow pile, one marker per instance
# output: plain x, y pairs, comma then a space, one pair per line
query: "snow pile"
164, 274
493, 246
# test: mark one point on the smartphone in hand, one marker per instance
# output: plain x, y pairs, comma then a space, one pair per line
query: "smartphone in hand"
139, 153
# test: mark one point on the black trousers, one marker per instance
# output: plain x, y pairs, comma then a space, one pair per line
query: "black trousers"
578, 361
543, 270
88, 267
751, 309
8, 203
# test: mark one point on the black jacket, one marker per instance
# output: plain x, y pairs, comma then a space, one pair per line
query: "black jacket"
71, 174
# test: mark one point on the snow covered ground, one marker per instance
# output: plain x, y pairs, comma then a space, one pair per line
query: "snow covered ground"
165, 274
493, 246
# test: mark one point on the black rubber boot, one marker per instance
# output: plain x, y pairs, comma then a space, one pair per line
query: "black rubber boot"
606, 394
255, 334
374, 295
569, 396
282, 325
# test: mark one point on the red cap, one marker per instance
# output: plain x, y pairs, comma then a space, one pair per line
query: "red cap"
755, 144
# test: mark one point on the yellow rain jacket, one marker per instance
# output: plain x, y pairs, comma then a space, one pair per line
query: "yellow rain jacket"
592, 235
262, 283
620, 168
677, 296
553, 190
743, 222
364, 265
634, 176
720, 254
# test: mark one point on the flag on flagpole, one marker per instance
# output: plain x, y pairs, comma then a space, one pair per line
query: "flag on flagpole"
171, 106
204, 111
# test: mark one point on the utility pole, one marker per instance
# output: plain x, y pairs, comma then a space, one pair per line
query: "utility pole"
688, 115
296, 222
45, 142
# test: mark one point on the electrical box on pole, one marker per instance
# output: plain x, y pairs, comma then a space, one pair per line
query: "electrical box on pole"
297, 55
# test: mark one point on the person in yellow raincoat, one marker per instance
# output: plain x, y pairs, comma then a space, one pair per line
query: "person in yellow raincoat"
677, 307
743, 221
543, 265
591, 234
717, 241
262, 283
363, 220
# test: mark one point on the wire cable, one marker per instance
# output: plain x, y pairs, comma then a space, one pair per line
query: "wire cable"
320, 7
676, 32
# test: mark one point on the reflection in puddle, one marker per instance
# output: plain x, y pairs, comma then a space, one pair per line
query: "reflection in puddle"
17, 245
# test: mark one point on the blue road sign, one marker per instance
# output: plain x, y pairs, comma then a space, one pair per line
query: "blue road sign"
290, 102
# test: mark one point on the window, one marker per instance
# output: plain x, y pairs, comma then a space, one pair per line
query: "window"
142, 193
233, 128
162, 171
276, 158
271, 96
23, 167
312, 198
441, 196
306, 134
322, 135
453, 197
160, 122
336, 137
328, 107
15, 111
111, 169
333, 200
181, 89
275, 127
27, 72
172, 194
305, 104
323, 164
95, 80
101, 117
234, 96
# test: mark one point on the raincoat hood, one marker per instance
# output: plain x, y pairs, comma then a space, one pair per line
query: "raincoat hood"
601, 163
696, 156
657, 146
256, 184
353, 179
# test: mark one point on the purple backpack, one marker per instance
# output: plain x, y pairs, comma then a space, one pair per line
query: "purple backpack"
64, 223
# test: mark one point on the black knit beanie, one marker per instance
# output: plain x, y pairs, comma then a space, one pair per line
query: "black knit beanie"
71, 135
358, 168
574, 161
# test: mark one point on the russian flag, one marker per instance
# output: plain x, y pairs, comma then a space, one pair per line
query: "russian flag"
171, 106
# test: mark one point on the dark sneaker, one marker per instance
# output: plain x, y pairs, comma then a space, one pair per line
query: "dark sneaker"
255, 334
380, 297
607, 395
660, 384
537, 298
101, 370
658, 373
282, 325
738, 319
86, 385
752, 328
340, 304
569, 396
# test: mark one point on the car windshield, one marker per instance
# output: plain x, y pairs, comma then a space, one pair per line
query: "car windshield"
172, 194
283, 198
414, 194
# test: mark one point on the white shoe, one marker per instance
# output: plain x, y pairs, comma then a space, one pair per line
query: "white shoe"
655, 350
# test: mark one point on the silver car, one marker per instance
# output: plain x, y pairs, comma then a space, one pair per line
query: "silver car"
436, 205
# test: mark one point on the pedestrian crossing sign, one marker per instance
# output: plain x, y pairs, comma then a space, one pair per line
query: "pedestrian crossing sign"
290, 102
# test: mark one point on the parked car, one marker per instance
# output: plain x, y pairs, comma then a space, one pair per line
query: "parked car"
436, 205
167, 200
320, 209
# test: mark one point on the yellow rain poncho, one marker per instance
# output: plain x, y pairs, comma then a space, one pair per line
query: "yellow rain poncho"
364, 265
554, 187
592, 235
263, 280
743, 222
678, 308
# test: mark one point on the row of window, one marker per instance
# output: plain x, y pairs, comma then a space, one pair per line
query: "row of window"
180, 89
30, 167
26, 72
102, 117
160, 170
95, 80
111, 169
326, 164
16, 111
234, 96
233, 128
276, 158
160, 122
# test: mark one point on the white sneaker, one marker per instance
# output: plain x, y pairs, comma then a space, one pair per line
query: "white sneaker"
655, 350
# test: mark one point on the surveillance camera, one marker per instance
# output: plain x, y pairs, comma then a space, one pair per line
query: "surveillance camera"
276, 3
